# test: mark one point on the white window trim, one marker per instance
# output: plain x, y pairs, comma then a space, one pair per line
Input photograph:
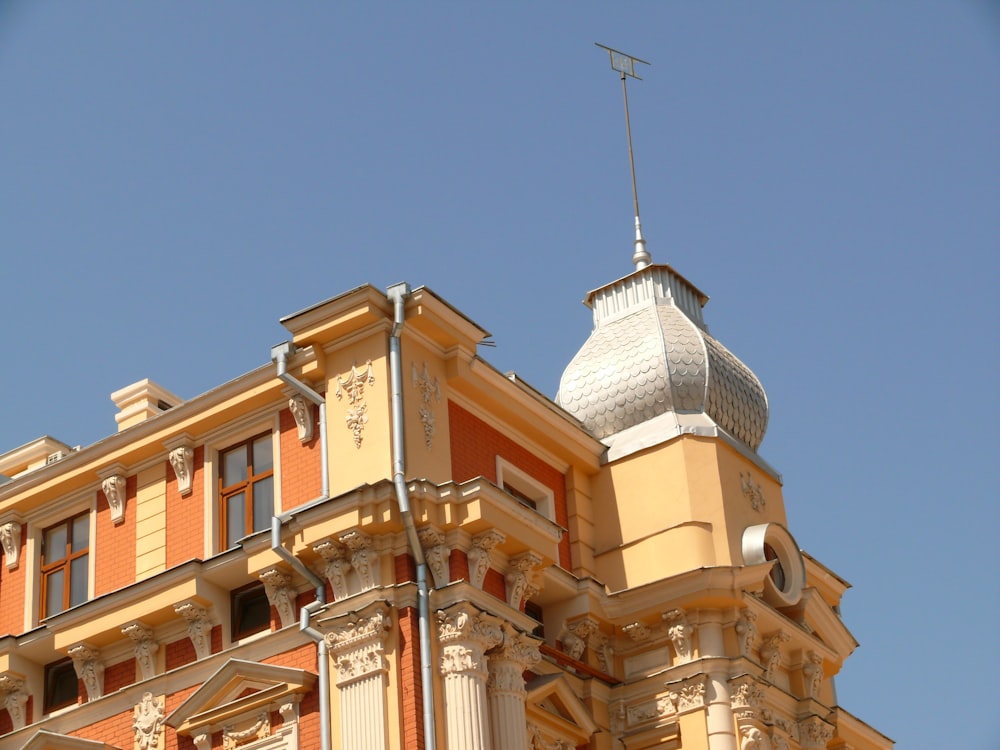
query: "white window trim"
508, 473
219, 441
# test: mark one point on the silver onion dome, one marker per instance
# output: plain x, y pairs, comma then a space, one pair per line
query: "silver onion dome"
650, 353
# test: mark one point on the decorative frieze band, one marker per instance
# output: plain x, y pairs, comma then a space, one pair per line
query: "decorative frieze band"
145, 648
199, 627
89, 667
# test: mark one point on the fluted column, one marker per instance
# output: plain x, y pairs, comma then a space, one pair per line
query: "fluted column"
466, 634
358, 650
506, 688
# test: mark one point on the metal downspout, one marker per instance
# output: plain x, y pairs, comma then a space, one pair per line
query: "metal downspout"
281, 354
398, 294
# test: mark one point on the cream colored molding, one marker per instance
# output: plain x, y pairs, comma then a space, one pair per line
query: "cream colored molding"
648, 710
199, 626
302, 411
746, 631
524, 578
430, 392
753, 492
583, 633
336, 566
145, 647
113, 484
479, 555
181, 459
10, 539
354, 384
688, 695
437, 554
770, 653
14, 697
147, 722
89, 667
281, 594
364, 558
259, 729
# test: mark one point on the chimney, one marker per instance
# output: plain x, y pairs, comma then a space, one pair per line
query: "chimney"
138, 402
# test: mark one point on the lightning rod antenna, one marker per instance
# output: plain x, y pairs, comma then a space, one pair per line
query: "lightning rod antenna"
625, 64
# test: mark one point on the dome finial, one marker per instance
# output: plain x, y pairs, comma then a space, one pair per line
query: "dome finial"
625, 64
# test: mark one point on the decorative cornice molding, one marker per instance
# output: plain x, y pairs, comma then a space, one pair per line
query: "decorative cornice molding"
430, 392
354, 384
145, 648
479, 555
147, 722
199, 626
89, 667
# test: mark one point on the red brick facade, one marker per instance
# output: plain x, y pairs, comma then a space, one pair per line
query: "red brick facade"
186, 514
114, 544
300, 463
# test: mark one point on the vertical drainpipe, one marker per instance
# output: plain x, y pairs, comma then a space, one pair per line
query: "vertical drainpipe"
280, 354
398, 294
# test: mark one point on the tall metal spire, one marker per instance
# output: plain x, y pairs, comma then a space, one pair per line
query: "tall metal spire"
625, 64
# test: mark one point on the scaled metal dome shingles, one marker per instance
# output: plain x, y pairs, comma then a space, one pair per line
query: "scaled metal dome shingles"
646, 356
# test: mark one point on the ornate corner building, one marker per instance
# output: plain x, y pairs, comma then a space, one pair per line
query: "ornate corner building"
376, 540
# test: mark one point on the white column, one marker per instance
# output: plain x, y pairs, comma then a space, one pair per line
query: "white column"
719, 709
506, 688
358, 650
466, 634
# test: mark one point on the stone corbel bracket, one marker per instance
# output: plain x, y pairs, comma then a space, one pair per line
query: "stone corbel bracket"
336, 566
524, 578
113, 484
681, 633
181, 457
437, 554
14, 697
302, 411
89, 667
199, 626
281, 594
584, 632
364, 558
146, 647
479, 555
11, 525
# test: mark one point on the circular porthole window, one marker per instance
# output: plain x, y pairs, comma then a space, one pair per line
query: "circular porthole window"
770, 542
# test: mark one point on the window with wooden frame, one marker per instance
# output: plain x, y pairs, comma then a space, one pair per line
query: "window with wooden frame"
250, 610
62, 687
65, 564
246, 489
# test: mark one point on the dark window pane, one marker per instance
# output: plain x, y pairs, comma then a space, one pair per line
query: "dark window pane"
61, 685
78, 581
235, 518
251, 611
81, 532
234, 466
54, 593
263, 503
55, 543
263, 459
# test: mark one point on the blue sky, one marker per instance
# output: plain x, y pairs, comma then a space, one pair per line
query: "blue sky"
174, 177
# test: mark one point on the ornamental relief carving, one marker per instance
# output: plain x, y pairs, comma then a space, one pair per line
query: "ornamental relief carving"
336, 566
814, 732
232, 738
364, 558
507, 662
753, 492
145, 647
479, 555
280, 594
14, 697
353, 384
812, 674
688, 695
10, 539
182, 461
752, 738
681, 634
147, 722
302, 412
585, 633
199, 627
770, 653
466, 634
524, 578
358, 646
437, 554
430, 392
114, 491
89, 667
539, 739
746, 632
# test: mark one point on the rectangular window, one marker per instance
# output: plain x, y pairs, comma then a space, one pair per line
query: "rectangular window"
65, 562
61, 685
246, 489
251, 611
